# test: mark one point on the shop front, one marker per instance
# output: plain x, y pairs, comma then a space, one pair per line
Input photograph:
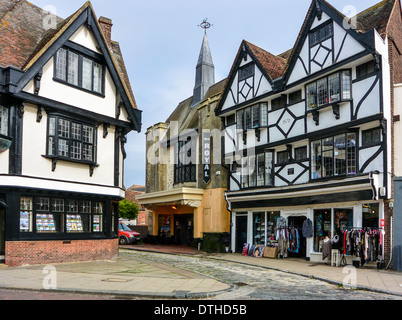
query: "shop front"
43, 226
300, 222
184, 216
306, 229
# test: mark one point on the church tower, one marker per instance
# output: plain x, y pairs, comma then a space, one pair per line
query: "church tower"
205, 70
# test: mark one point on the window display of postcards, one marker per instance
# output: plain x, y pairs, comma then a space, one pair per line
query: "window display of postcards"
74, 223
45, 223
96, 224
25, 221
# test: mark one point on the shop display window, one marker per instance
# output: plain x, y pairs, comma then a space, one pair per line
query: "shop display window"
97, 221
370, 215
322, 227
165, 225
264, 224
26, 213
343, 219
58, 215
77, 223
259, 228
272, 216
49, 223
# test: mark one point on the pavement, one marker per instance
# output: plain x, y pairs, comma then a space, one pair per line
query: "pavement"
125, 276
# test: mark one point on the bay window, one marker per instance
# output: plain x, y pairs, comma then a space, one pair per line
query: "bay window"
334, 156
331, 89
71, 140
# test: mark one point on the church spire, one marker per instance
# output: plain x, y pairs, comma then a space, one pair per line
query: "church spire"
205, 69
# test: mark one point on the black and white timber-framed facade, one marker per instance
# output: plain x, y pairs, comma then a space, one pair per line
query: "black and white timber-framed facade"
66, 107
308, 133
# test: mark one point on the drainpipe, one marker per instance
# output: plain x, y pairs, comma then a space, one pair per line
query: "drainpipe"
391, 246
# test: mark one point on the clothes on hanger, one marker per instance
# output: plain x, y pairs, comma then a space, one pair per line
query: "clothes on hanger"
307, 229
326, 248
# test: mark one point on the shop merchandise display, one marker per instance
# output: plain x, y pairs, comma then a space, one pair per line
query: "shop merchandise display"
284, 241
366, 244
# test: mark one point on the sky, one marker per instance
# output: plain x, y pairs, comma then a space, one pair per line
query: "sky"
161, 42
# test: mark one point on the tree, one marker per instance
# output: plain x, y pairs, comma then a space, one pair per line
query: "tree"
128, 209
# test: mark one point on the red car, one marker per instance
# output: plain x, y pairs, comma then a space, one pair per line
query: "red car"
127, 236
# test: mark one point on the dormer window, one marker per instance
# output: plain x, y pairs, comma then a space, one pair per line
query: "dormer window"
79, 70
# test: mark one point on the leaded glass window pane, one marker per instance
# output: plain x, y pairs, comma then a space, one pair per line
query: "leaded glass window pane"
63, 148
73, 68
76, 150
334, 88
87, 73
64, 128
98, 69
311, 95
76, 131
61, 64
322, 92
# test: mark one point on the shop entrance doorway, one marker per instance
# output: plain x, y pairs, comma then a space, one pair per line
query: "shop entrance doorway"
183, 229
296, 223
2, 235
241, 232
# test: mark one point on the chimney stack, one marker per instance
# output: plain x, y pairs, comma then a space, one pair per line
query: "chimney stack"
106, 26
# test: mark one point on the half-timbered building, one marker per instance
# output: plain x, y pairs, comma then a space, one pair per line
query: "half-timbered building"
309, 133
66, 106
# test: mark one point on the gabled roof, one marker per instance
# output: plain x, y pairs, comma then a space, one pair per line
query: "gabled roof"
24, 40
375, 17
270, 65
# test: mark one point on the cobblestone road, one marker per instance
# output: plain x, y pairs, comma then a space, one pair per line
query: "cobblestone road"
255, 283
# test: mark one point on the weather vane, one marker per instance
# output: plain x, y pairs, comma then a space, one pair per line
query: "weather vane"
205, 24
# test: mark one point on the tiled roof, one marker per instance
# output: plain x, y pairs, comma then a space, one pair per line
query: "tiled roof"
376, 17
272, 65
21, 31
23, 38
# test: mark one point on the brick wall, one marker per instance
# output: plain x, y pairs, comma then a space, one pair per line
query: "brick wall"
20, 253
395, 57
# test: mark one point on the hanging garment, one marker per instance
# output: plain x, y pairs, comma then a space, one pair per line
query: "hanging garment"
336, 242
282, 237
307, 230
281, 223
326, 249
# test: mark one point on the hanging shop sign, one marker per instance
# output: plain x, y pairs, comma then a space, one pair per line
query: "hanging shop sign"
207, 157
